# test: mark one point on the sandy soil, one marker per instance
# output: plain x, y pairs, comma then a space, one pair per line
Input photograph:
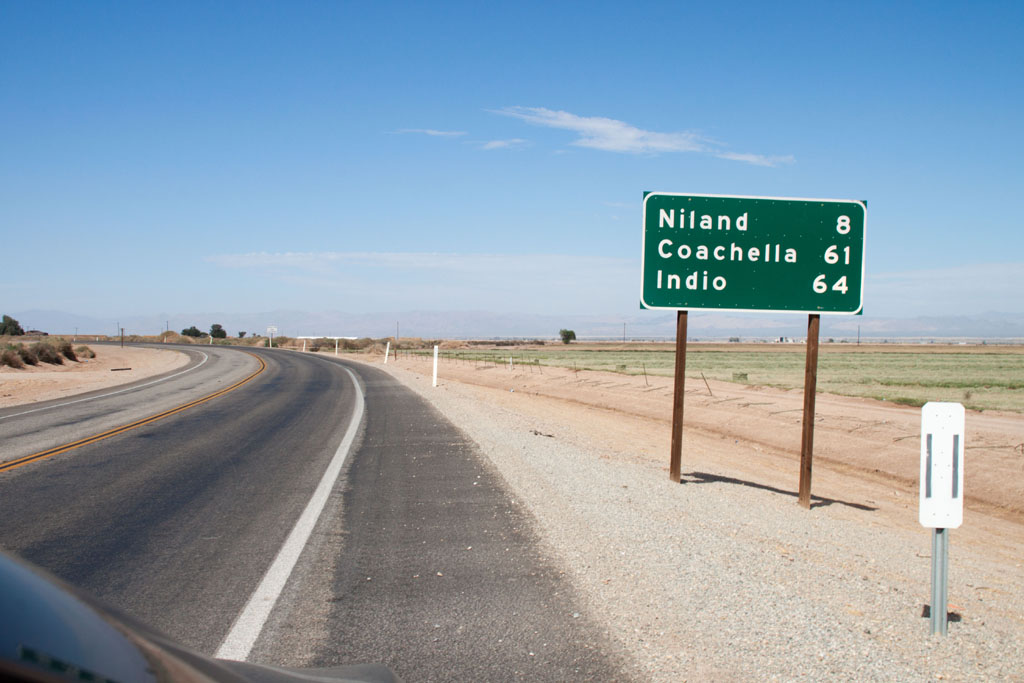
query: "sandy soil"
44, 381
866, 452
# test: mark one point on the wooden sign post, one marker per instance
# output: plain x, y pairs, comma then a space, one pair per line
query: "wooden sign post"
675, 467
735, 253
810, 386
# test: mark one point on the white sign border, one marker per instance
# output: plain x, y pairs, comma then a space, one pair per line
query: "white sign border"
643, 252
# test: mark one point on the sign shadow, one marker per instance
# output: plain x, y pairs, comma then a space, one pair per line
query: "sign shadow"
816, 501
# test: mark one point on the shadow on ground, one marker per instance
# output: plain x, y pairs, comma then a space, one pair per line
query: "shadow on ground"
816, 501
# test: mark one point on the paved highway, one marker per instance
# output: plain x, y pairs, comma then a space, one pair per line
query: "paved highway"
420, 560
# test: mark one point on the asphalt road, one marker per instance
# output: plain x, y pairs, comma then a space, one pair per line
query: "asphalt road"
422, 560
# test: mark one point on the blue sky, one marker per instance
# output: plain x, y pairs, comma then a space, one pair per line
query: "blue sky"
173, 157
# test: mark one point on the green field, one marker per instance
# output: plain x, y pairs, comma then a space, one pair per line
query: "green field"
980, 377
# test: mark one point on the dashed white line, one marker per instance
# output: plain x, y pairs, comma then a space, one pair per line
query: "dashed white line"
249, 624
112, 393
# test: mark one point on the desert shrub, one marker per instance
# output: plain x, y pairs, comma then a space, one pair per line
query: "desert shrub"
27, 355
67, 351
357, 344
85, 352
11, 359
47, 353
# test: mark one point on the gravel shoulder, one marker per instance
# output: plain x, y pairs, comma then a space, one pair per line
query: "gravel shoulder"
725, 577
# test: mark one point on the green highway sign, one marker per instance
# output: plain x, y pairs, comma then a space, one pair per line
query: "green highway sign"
719, 252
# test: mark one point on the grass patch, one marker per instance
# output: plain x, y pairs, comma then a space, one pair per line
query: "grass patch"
85, 352
990, 380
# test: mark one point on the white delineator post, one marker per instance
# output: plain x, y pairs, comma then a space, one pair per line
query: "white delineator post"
942, 493
435, 366
387, 352
303, 345
335, 347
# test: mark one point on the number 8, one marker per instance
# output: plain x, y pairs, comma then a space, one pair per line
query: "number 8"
843, 225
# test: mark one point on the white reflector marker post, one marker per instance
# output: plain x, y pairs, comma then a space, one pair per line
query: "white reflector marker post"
942, 493
387, 352
435, 366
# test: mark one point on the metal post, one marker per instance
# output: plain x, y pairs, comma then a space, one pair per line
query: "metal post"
122, 337
810, 386
940, 581
675, 462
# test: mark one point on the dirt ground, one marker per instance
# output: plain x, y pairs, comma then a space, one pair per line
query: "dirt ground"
866, 452
112, 366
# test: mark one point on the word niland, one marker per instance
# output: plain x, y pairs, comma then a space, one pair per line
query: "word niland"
667, 219
700, 280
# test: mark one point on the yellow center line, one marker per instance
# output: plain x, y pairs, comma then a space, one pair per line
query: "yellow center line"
57, 450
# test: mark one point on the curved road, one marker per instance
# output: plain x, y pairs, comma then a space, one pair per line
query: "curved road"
421, 559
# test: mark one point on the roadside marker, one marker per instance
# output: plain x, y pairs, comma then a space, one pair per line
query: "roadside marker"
941, 504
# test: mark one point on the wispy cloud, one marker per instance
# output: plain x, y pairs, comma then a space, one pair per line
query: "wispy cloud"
432, 132
954, 290
461, 263
607, 134
757, 159
612, 135
386, 280
503, 144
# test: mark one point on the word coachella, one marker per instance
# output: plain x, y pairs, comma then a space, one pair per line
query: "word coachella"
734, 252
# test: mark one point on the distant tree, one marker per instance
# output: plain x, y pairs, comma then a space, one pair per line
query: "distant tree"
10, 326
192, 332
567, 336
241, 335
217, 331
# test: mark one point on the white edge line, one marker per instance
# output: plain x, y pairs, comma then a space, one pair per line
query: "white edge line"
119, 391
247, 627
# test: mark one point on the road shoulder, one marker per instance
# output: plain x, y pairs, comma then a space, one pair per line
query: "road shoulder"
725, 577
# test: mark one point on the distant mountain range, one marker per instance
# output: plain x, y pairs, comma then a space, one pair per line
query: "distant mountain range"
489, 325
